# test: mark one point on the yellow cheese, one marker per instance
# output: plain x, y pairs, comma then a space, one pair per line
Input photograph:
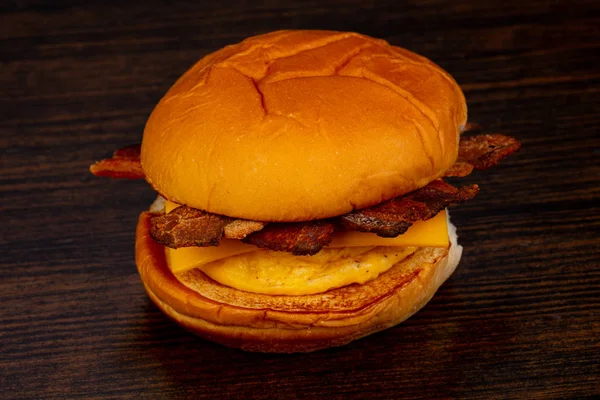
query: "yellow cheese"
186, 258
170, 206
351, 257
430, 233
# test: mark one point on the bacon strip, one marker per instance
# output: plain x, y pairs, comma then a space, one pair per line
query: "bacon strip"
240, 228
186, 226
124, 164
300, 238
393, 217
481, 152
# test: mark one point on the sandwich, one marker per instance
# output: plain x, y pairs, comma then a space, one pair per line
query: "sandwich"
302, 189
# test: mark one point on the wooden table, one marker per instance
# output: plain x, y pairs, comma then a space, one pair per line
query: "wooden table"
520, 317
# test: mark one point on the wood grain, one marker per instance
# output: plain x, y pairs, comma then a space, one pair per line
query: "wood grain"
519, 319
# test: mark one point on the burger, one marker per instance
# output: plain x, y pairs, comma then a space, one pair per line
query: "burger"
302, 193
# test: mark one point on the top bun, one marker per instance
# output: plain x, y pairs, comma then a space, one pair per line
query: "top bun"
302, 125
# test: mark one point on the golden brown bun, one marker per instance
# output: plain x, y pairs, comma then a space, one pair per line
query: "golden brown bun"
302, 125
285, 324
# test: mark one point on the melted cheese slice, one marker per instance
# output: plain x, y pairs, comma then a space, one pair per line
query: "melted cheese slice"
351, 257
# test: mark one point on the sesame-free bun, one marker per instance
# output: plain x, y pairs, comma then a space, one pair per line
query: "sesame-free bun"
286, 324
302, 125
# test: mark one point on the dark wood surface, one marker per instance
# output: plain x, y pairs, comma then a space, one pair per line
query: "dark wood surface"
519, 319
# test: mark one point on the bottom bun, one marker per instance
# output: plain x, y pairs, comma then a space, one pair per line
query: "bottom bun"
287, 324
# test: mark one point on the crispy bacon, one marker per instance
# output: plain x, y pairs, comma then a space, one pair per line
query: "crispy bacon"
186, 226
459, 169
240, 228
300, 238
481, 152
393, 217
124, 164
